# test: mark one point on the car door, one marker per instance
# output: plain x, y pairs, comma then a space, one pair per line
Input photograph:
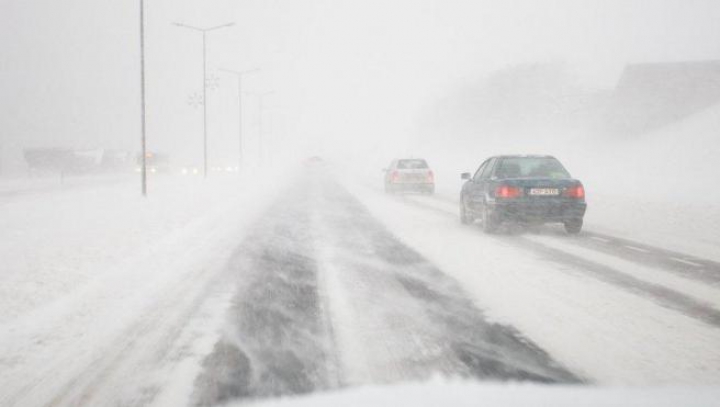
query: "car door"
482, 183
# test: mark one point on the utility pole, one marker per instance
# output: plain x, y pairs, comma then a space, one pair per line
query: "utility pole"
261, 104
143, 171
240, 75
204, 32
2, 153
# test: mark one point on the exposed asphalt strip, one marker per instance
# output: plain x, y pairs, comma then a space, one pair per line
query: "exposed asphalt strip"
660, 295
279, 339
680, 264
704, 270
275, 342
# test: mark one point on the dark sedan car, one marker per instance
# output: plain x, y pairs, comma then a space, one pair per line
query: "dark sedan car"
525, 189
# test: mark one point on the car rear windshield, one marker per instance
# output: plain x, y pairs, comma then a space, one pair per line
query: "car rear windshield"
531, 167
411, 164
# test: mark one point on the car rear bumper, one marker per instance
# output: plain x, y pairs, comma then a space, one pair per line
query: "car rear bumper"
531, 212
411, 186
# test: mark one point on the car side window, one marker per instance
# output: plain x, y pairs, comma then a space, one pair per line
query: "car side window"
479, 171
488, 169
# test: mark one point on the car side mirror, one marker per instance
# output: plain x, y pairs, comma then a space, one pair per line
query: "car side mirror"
465, 175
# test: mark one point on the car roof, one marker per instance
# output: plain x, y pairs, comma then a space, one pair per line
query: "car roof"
522, 156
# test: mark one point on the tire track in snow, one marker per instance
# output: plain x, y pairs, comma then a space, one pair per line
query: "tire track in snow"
412, 320
681, 264
664, 297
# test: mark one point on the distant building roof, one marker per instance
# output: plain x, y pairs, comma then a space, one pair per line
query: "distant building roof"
649, 96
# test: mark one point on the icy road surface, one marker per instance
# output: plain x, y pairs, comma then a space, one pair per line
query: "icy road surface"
324, 285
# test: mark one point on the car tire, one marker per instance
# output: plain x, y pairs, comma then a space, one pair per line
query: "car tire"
490, 223
466, 218
573, 226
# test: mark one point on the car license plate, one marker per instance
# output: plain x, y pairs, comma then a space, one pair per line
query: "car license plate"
544, 191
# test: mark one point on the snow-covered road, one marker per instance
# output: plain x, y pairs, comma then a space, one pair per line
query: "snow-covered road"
322, 284
609, 314
329, 297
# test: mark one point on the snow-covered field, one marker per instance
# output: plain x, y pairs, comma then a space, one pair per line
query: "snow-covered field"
60, 239
659, 188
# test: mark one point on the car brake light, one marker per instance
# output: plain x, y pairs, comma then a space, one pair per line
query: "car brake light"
394, 176
577, 192
506, 191
430, 176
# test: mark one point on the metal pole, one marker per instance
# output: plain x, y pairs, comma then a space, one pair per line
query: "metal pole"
240, 124
204, 31
260, 131
143, 171
205, 101
261, 107
239, 76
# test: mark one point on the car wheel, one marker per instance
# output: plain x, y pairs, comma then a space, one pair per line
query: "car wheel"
466, 218
573, 226
490, 223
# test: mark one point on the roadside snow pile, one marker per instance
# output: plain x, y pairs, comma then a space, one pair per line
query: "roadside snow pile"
459, 394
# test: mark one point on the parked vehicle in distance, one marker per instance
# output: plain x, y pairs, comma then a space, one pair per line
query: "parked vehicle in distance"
409, 175
155, 162
525, 189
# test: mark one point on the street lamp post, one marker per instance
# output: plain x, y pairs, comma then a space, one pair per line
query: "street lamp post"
239, 75
143, 170
204, 32
261, 104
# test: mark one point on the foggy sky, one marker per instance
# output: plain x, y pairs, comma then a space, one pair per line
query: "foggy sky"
347, 75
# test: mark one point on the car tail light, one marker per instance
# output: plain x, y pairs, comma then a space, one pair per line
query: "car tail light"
507, 191
577, 192
430, 177
394, 176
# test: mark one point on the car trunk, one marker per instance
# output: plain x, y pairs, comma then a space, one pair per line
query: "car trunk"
413, 176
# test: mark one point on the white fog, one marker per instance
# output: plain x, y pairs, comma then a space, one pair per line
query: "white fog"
359, 202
